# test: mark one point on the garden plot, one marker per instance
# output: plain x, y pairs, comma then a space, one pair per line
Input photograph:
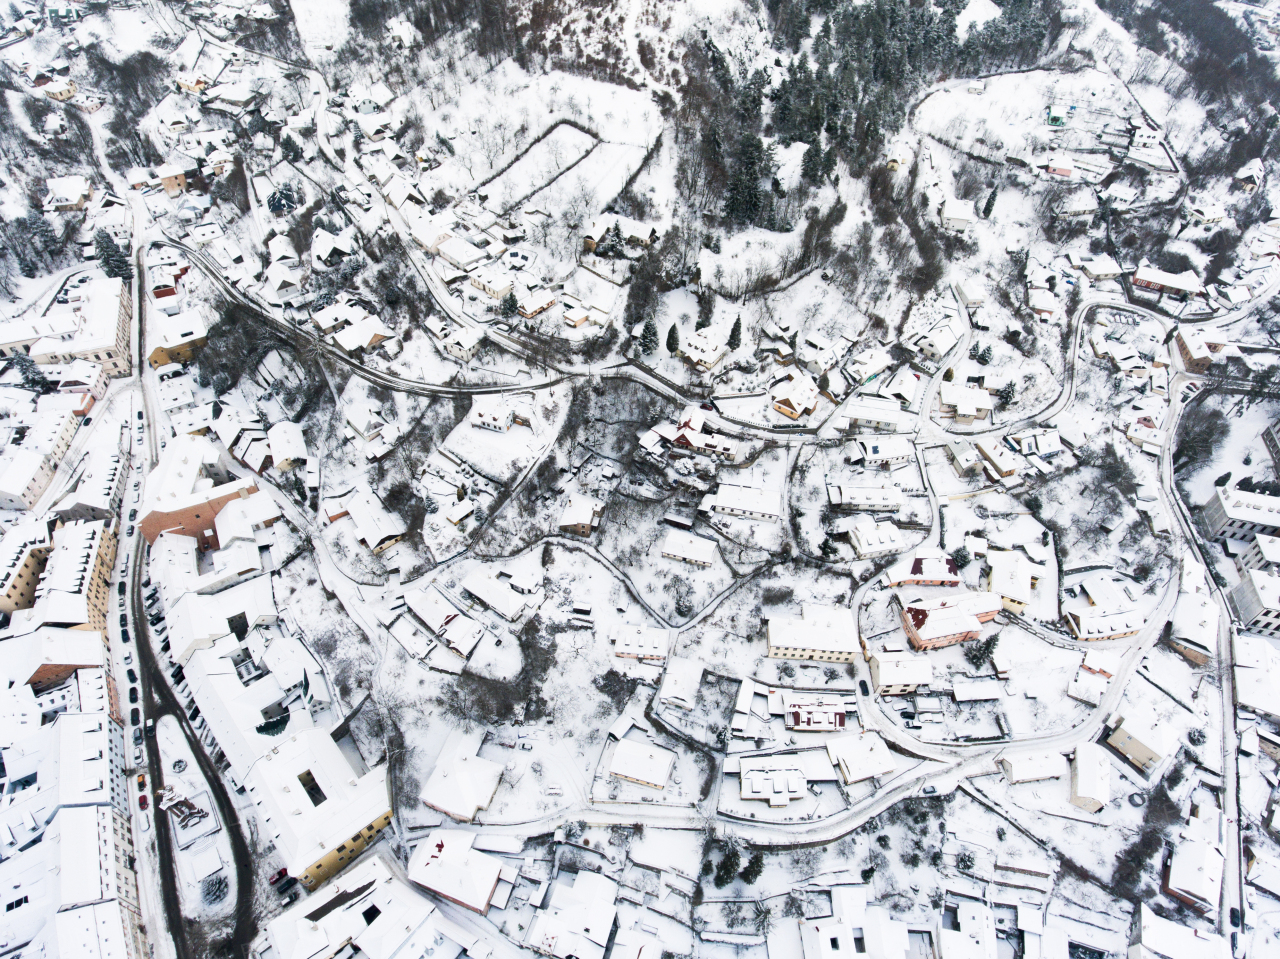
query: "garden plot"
593, 183
544, 162
488, 120
682, 788
1010, 116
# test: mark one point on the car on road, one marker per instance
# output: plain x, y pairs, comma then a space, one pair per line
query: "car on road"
133, 514
863, 687
142, 801
285, 884
278, 876
135, 716
130, 533
124, 620
133, 677
151, 728
139, 415
142, 783
133, 694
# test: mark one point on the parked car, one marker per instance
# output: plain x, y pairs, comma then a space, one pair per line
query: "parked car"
290, 899
124, 635
864, 688
128, 659
135, 716
929, 790
133, 677
278, 876
124, 620
133, 694
121, 588
137, 751
155, 620
133, 514
139, 415
137, 737
285, 884
142, 801
142, 783
164, 647
130, 532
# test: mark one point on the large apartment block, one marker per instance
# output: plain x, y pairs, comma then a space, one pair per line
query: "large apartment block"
1236, 514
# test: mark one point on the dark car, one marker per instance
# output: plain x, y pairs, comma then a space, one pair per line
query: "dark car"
124, 635
122, 587
133, 694
133, 677
164, 647
142, 801
155, 620
133, 514
1235, 917
862, 685
139, 414
135, 716
707, 406
86, 421
124, 620
929, 790
285, 884
278, 876
137, 737
130, 533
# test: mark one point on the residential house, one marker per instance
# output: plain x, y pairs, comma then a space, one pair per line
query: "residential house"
899, 673
581, 515
794, 395
819, 633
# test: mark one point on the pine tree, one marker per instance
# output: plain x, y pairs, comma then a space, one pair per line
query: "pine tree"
114, 261
1007, 393
673, 340
290, 150
753, 869
824, 383
508, 306
735, 334
974, 350
811, 163
649, 337
43, 236
728, 868
961, 558
985, 356
33, 377
990, 204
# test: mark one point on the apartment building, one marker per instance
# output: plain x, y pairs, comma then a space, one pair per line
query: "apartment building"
74, 591
24, 552
187, 489
319, 811
89, 320
1237, 514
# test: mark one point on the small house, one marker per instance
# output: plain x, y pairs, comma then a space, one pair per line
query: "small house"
957, 214
463, 343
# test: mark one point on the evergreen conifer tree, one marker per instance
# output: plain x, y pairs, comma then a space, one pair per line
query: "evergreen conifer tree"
735, 334
649, 337
990, 204
811, 163
33, 377
114, 261
728, 868
509, 305
673, 340
753, 869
